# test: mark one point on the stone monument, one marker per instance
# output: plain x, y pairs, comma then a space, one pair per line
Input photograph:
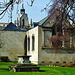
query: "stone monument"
23, 65
24, 62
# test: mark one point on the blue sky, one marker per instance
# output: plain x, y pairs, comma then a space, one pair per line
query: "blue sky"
33, 12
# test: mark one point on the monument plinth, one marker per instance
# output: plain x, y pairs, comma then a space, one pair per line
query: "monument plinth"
23, 59
23, 65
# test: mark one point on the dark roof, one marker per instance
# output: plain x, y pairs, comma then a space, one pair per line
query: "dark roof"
35, 24
43, 20
11, 27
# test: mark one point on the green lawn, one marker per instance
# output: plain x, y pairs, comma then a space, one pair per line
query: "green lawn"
45, 70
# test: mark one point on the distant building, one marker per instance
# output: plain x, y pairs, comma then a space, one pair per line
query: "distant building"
11, 27
22, 20
51, 43
3, 25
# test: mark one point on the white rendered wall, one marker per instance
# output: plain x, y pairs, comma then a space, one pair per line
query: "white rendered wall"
33, 53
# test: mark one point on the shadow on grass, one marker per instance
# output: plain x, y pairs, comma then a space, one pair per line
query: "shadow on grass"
36, 71
4, 69
42, 71
31, 71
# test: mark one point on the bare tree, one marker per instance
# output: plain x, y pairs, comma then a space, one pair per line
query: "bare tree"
66, 14
5, 4
66, 7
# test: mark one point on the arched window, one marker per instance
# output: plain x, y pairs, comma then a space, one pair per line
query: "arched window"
23, 23
25, 45
33, 42
28, 43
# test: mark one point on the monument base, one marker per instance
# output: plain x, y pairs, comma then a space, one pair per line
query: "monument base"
23, 65
24, 68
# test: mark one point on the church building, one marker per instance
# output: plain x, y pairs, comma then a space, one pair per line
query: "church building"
47, 42
22, 20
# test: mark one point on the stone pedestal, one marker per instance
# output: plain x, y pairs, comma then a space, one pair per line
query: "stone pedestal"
23, 65
23, 59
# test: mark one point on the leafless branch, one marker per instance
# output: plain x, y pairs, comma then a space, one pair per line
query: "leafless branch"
32, 1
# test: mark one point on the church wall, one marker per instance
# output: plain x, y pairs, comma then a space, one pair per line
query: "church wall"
40, 44
12, 44
33, 53
74, 39
48, 55
56, 58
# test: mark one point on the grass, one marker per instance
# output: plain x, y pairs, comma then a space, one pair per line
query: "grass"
45, 70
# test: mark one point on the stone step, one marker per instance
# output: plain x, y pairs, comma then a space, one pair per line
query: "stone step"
26, 65
24, 68
21, 65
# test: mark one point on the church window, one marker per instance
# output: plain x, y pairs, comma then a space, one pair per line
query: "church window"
4, 25
28, 43
23, 22
47, 36
33, 42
